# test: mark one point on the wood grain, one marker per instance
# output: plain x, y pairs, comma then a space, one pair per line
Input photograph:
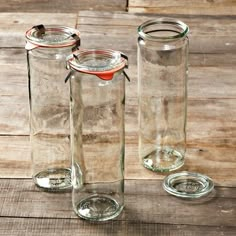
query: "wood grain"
77, 227
15, 157
211, 134
205, 83
14, 98
145, 202
192, 7
70, 227
14, 102
211, 89
216, 162
14, 25
109, 26
59, 6
211, 127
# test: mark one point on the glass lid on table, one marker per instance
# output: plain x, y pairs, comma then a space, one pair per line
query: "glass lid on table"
188, 185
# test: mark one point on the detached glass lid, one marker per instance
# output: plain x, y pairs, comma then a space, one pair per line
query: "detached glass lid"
103, 63
52, 36
188, 185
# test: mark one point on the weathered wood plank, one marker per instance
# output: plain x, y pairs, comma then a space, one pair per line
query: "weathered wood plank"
110, 25
211, 140
209, 24
211, 122
145, 202
59, 6
218, 163
14, 102
14, 99
100, 29
26, 210
205, 82
211, 112
135, 19
15, 157
192, 7
216, 59
14, 25
217, 124
76, 227
124, 26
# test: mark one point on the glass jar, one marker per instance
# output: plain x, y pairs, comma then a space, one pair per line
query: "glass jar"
47, 48
162, 92
97, 95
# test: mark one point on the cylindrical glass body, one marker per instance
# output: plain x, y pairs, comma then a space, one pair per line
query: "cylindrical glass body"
49, 118
162, 89
47, 49
97, 145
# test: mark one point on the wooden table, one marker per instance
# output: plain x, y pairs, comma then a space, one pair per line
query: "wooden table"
211, 127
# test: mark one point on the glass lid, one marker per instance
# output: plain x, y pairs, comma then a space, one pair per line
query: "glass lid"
52, 36
101, 62
188, 185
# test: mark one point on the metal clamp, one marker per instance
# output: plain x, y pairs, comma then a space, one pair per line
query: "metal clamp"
77, 42
126, 65
40, 30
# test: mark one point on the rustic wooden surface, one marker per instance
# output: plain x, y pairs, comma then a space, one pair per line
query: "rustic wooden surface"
60, 6
211, 128
191, 7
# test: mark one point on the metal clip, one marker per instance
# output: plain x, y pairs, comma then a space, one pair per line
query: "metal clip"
68, 76
40, 30
77, 43
127, 77
126, 65
126, 58
75, 56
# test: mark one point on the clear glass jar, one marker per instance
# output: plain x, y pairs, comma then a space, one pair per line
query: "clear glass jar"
162, 89
97, 95
47, 49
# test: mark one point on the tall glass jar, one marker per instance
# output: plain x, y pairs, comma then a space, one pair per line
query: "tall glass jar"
47, 48
162, 89
97, 94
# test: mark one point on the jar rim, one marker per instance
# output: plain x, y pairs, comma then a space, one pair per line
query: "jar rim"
179, 28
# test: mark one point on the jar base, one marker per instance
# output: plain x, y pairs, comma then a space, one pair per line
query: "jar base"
163, 160
55, 179
98, 208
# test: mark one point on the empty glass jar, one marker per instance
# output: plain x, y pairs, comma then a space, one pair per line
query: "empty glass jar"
97, 95
47, 49
162, 88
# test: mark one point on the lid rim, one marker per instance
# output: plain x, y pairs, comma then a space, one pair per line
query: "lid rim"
67, 42
204, 180
104, 71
